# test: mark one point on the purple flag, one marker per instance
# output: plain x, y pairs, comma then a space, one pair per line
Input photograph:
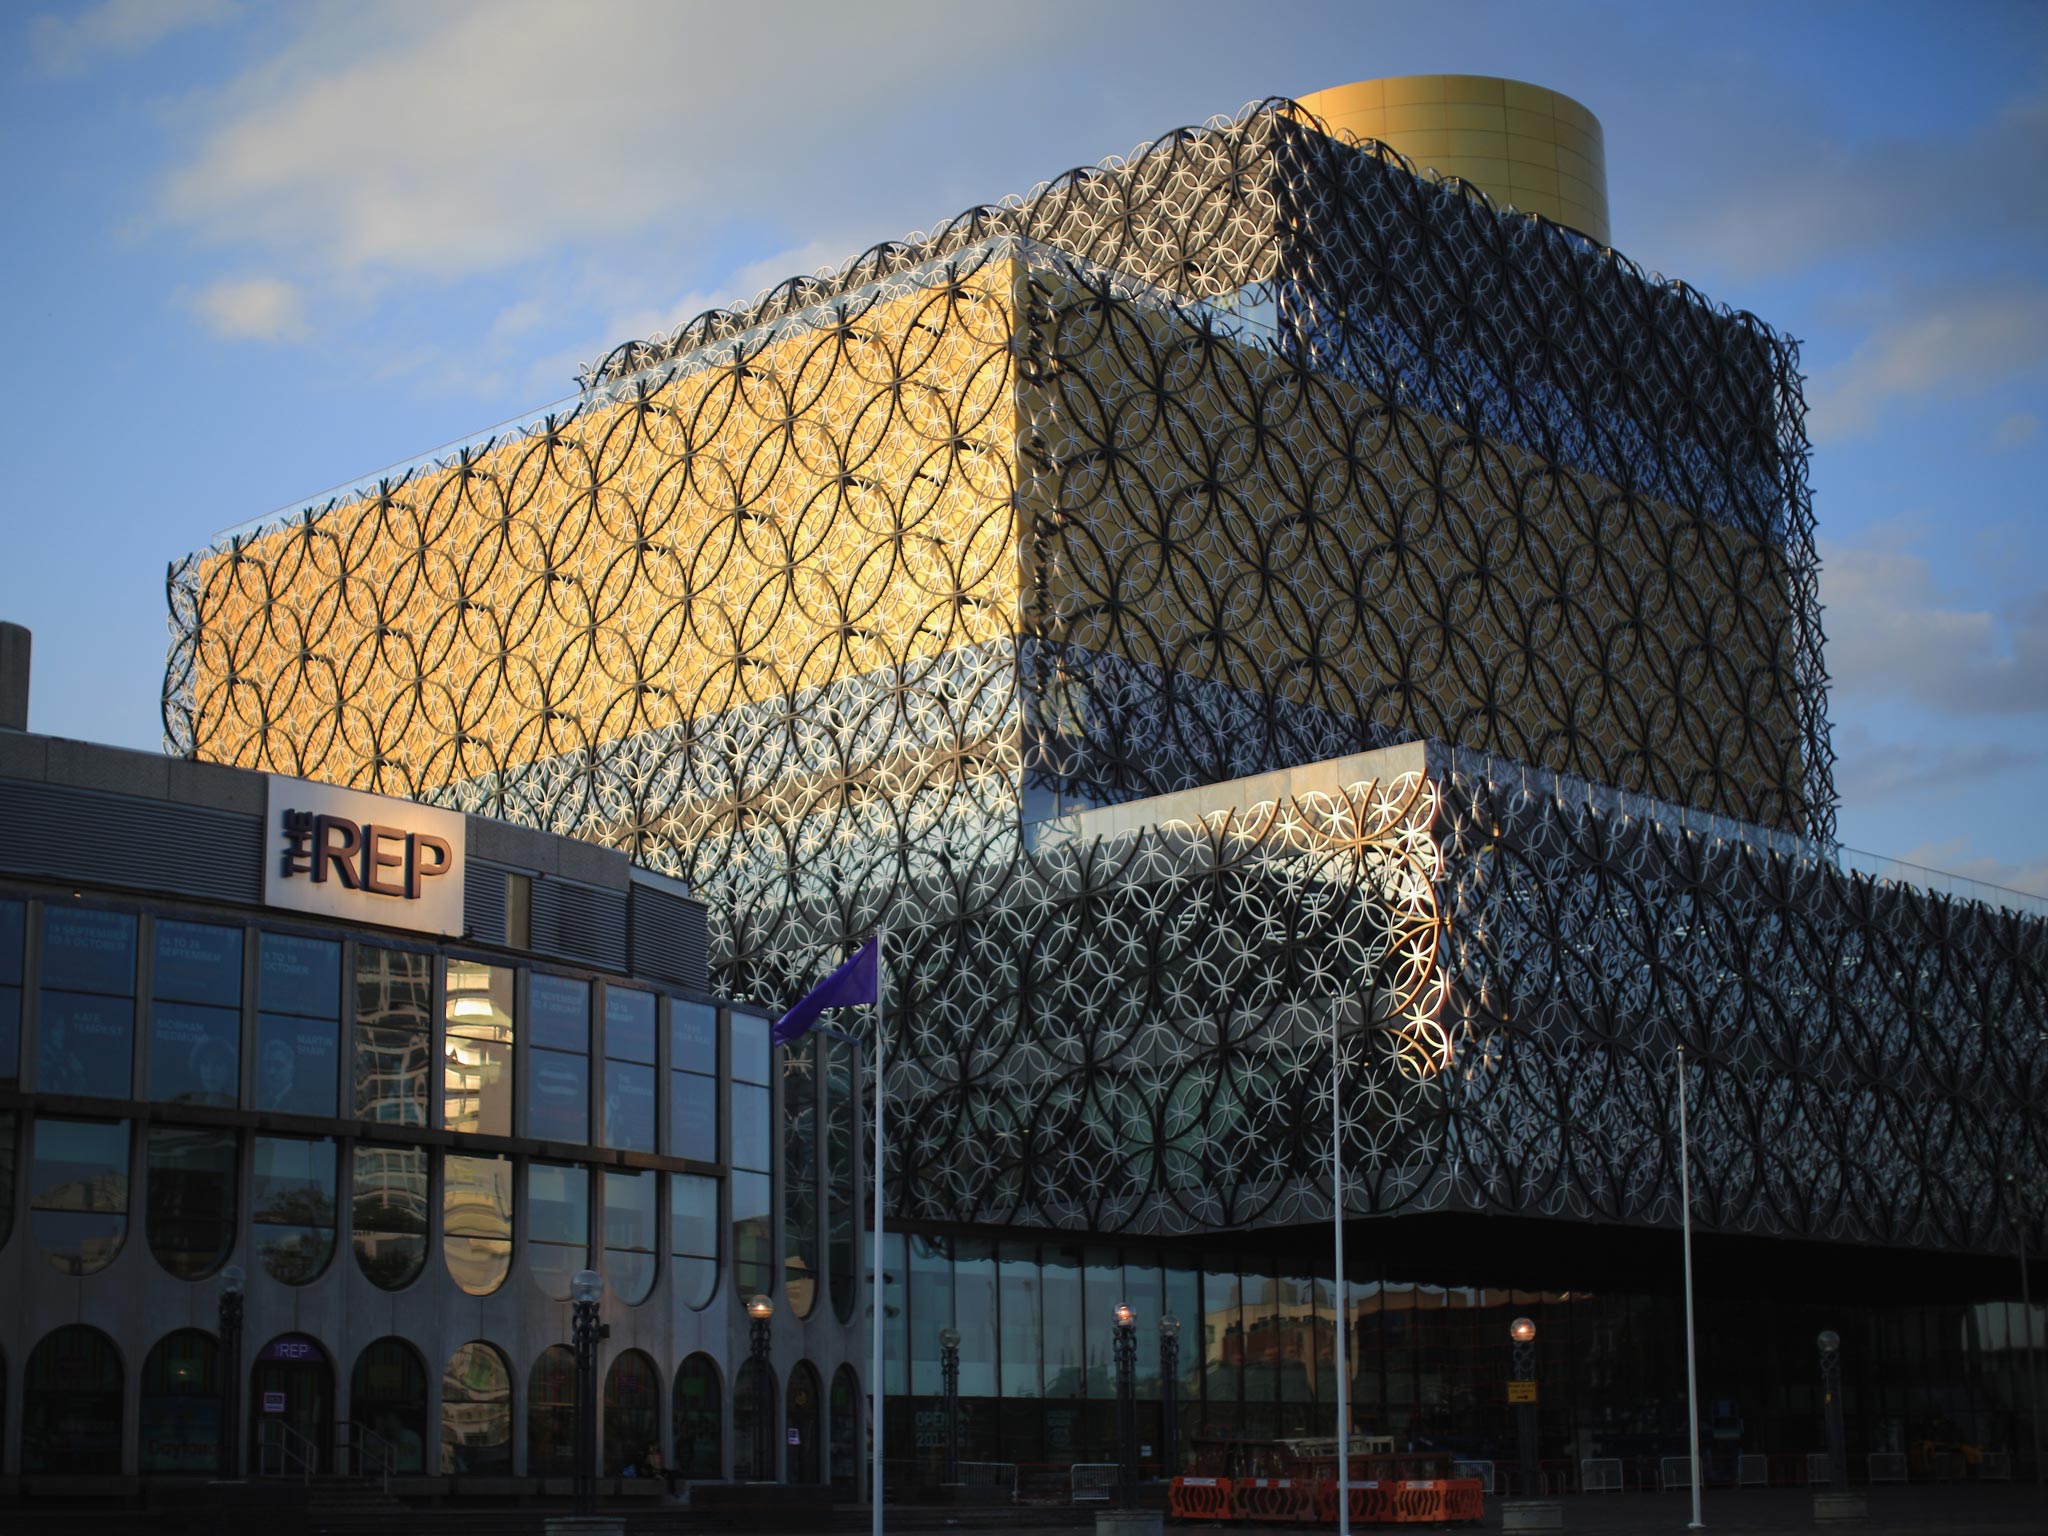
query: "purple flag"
857, 981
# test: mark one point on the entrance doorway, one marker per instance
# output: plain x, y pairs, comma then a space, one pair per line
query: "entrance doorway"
291, 1408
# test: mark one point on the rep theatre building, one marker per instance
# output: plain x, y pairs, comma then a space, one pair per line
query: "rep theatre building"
392, 1074
1280, 617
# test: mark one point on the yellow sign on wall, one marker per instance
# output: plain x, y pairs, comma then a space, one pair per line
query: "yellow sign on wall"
1521, 1391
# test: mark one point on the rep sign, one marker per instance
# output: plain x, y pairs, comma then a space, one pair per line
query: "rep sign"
368, 859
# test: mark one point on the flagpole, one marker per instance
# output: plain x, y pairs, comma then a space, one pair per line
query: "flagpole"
875, 1281
1337, 1224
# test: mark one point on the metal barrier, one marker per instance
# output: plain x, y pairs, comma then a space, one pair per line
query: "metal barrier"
1481, 1470
1819, 1468
1887, 1467
991, 1474
1674, 1472
1994, 1467
1600, 1474
1092, 1482
1949, 1467
1752, 1471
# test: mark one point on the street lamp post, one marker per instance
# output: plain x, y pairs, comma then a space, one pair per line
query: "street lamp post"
586, 1286
1169, 1381
1522, 1393
762, 1310
1126, 1341
949, 1376
232, 1280
1831, 1399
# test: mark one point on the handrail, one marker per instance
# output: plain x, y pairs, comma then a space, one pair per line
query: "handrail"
360, 1442
276, 1435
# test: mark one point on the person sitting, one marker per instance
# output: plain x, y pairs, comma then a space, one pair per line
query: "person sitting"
652, 1465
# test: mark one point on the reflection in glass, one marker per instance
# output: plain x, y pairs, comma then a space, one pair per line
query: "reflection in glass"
698, 1417
800, 1176
692, 1036
298, 976
747, 1393
750, 1061
558, 1213
190, 1194
197, 963
476, 1064
179, 1427
752, 1122
558, 1027
693, 1237
195, 1022
560, 1012
85, 1044
388, 1213
87, 951
394, 1001
78, 1192
974, 1314
629, 1235
845, 1412
13, 927
629, 1025
693, 1116
293, 1206
476, 1221
632, 1410
551, 1414
71, 1403
298, 1029
753, 1233
1017, 1281
476, 1412
387, 1394
629, 1069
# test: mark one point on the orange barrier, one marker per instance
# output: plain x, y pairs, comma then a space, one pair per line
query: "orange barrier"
1199, 1498
1276, 1499
1411, 1502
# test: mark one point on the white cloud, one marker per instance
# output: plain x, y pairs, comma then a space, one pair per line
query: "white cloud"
1951, 857
1892, 631
253, 309
1928, 347
121, 28
2020, 427
1868, 770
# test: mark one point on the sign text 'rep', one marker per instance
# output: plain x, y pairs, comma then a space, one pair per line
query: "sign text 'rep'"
342, 853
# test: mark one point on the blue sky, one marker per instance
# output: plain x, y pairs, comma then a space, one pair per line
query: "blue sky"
253, 252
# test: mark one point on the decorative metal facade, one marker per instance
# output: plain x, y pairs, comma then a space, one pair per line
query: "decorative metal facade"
1247, 453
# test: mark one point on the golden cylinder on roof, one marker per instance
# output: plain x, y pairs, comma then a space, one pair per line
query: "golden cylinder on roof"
1522, 145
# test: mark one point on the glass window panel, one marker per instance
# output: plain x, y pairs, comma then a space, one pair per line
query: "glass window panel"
895, 1314
292, 1206
698, 1420
78, 1192
800, 1176
629, 1106
693, 1036
693, 1116
476, 1221
394, 1002
13, 927
558, 1225
71, 1404
476, 1413
7, 1128
629, 1234
752, 1126
693, 1236
190, 1185
551, 1414
1222, 1341
388, 1213
974, 1314
297, 1064
476, 1060
1184, 1302
931, 1308
195, 1054
1103, 1277
1144, 1290
198, 963
629, 1025
1019, 1294
388, 1395
753, 1235
559, 1010
10, 1036
750, 1048
85, 1044
632, 1411
298, 976
558, 1099
178, 1429
87, 951
1061, 1277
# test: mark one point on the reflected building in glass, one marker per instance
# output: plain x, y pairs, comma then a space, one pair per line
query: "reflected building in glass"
195, 1075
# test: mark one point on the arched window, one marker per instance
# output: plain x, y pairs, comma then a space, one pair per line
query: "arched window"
78, 1192
387, 1395
476, 1412
693, 1238
476, 1221
800, 1176
558, 1225
180, 1423
845, 1411
388, 1214
629, 1236
698, 1413
551, 1414
632, 1410
191, 1199
747, 1382
804, 1429
293, 1208
71, 1404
